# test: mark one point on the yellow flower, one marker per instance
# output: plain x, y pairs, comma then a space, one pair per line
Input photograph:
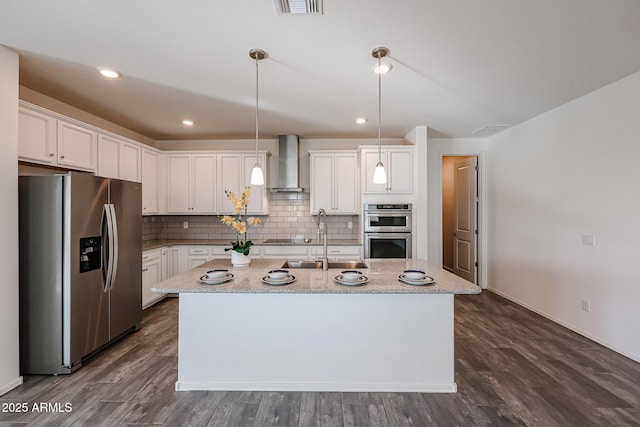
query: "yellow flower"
227, 220
253, 221
240, 227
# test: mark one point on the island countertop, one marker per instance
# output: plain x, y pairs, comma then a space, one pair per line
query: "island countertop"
382, 273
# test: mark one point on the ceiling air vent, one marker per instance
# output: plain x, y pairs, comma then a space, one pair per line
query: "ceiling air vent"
298, 7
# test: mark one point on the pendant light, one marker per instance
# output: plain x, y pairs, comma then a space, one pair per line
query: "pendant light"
257, 177
379, 175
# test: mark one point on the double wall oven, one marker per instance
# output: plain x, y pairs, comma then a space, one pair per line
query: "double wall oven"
387, 230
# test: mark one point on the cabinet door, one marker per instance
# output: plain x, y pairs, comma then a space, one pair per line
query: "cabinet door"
149, 182
400, 171
130, 161
346, 183
229, 178
164, 264
151, 275
322, 184
178, 177
257, 201
174, 266
108, 156
369, 161
36, 137
203, 183
77, 147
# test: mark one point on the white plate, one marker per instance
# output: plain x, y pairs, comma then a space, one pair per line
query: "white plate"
209, 281
428, 280
289, 279
362, 280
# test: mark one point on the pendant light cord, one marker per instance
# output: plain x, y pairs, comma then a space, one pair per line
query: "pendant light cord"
257, 61
379, 110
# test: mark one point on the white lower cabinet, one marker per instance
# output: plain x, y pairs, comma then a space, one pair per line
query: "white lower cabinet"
151, 275
281, 251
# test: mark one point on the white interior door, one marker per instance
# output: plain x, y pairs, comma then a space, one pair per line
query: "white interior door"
465, 225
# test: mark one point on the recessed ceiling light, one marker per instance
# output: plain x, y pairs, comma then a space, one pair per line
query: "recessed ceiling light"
385, 67
109, 72
361, 121
187, 122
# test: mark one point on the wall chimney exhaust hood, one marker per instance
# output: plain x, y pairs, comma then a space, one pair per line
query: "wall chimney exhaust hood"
288, 165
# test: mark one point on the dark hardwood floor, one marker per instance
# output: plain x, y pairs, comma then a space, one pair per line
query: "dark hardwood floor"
513, 368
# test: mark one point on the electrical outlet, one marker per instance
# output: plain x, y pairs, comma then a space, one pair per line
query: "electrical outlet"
588, 240
185, 224
350, 225
586, 305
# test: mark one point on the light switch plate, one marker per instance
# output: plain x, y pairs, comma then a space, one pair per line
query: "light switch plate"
588, 239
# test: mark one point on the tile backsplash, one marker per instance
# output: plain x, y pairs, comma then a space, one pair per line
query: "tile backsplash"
289, 217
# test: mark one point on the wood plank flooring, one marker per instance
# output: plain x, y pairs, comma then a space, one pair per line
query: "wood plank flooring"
513, 368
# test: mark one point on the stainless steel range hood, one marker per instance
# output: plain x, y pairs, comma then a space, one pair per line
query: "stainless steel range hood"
288, 165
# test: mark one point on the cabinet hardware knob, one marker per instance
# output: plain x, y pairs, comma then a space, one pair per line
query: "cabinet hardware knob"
51, 154
62, 157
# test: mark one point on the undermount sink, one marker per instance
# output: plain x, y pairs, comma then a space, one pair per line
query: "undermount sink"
345, 265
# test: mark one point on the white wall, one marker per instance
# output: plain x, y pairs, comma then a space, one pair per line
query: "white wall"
9, 356
572, 171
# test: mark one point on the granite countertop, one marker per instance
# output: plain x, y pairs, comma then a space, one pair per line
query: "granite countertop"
382, 274
154, 244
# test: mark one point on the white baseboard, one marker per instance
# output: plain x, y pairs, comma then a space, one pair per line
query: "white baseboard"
333, 387
634, 357
10, 386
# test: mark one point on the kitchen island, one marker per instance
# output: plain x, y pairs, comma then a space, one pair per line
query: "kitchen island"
314, 334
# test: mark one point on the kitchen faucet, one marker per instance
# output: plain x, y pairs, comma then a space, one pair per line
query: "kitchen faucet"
322, 225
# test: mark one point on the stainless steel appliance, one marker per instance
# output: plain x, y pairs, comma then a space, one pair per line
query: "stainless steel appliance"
80, 267
387, 230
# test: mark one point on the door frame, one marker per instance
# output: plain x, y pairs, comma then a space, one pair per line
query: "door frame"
482, 241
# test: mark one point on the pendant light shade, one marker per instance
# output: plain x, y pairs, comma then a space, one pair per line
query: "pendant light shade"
257, 177
379, 174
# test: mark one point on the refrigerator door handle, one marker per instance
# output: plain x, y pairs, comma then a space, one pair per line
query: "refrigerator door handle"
114, 236
107, 255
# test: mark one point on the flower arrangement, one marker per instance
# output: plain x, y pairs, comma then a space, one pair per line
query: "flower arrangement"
239, 225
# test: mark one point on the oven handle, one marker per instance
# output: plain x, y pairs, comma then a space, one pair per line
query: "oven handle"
389, 235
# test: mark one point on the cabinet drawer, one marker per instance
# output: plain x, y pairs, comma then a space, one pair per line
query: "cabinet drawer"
284, 251
220, 250
344, 250
203, 250
151, 255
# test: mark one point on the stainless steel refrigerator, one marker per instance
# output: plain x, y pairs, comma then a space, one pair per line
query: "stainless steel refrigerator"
80, 268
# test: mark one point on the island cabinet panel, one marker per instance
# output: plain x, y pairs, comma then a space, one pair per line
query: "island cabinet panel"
334, 182
316, 342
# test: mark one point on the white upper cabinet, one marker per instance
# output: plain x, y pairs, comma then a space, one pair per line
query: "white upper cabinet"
108, 156
203, 183
130, 161
334, 182
47, 139
36, 137
258, 203
150, 178
398, 164
77, 146
178, 183
191, 180
229, 179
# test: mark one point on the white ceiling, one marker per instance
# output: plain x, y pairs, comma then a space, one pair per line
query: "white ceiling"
457, 64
